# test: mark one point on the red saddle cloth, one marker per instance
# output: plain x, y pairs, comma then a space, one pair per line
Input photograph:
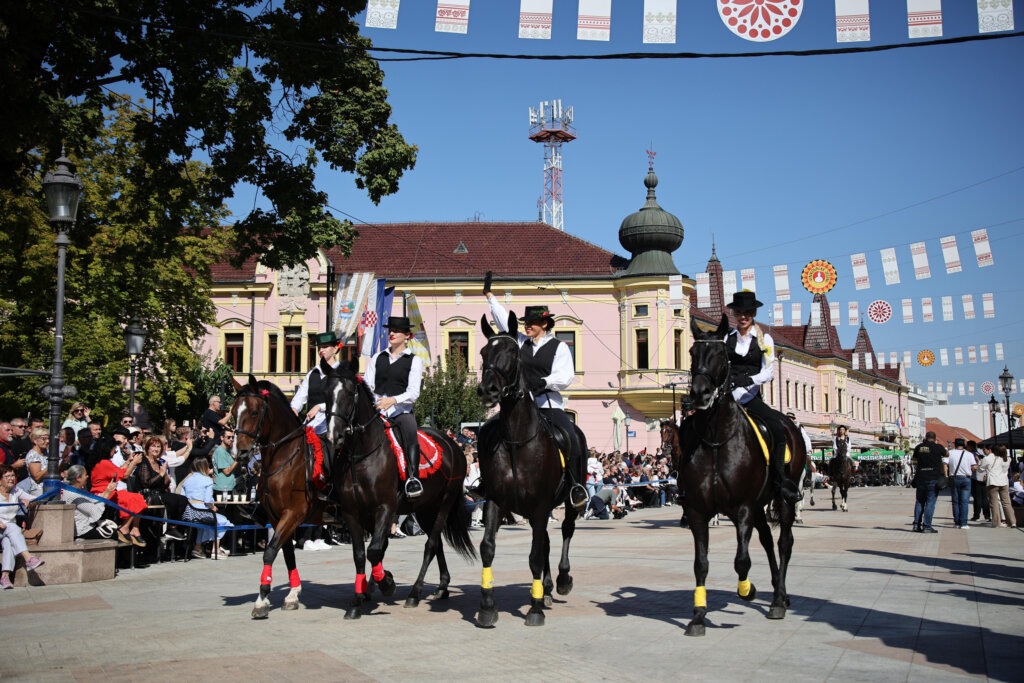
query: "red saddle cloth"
319, 480
430, 454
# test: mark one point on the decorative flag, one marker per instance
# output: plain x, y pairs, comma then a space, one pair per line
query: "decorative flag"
778, 314
960, 388
452, 16
728, 284
925, 358
819, 277
879, 311
926, 310
382, 14
675, 290
797, 314
919, 253
982, 249
906, 359
860, 271
944, 356
924, 18
983, 352
853, 22
988, 305
834, 314
594, 20
947, 308
853, 314
349, 303
908, 310
995, 15
881, 360
659, 21
958, 355
972, 354
970, 388
747, 280
762, 21
419, 344
535, 19
968, 300
931, 387
855, 361
893, 359
781, 282
949, 388
369, 320
703, 290
988, 388
815, 313
999, 350
375, 338
868, 361
890, 267
951, 254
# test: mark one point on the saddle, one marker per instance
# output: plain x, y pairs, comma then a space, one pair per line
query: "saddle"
562, 440
430, 454
764, 437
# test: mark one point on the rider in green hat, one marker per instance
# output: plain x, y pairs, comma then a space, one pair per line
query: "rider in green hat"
312, 393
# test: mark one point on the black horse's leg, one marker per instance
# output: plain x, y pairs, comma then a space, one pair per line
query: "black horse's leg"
564, 582
539, 524
764, 534
432, 523
362, 588
781, 600
291, 601
834, 485
488, 614
744, 588
442, 565
699, 529
546, 580
378, 546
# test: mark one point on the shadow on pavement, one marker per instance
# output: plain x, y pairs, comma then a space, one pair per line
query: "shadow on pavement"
986, 570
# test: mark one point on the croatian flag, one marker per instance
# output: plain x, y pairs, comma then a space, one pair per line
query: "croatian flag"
900, 423
378, 308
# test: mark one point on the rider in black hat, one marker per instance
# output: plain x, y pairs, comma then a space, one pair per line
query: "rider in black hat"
312, 393
394, 376
752, 363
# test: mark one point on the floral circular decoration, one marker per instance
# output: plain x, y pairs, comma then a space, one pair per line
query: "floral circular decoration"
760, 20
1018, 409
988, 388
819, 277
879, 311
925, 358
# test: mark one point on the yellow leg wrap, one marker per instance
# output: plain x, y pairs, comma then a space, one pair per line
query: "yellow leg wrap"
700, 597
743, 588
487, 578
537, 589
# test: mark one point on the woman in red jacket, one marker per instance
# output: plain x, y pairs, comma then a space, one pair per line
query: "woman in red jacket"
105, 471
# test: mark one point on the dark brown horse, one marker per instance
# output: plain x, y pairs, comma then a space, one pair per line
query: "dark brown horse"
263, 418
840, 471
365, 475
723, 469
521, 471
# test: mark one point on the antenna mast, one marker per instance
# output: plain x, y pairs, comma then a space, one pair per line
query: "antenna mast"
552, 126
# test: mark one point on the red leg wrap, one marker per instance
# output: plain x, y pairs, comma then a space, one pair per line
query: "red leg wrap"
361, 585
378, 571
265, 577
293, 578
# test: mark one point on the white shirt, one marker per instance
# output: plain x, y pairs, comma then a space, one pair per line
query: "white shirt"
319, 421
407, 398
767, 374
960, 467
997, 470
563, 370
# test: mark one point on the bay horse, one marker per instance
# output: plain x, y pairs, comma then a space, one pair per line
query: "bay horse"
522, 472
365, 475
264, 418
723, 469
840, 471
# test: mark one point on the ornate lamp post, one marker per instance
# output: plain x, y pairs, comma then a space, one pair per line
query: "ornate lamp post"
1006, 384
626, 421
134, 340
993, 408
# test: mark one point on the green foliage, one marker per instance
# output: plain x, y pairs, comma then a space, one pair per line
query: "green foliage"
218, 79
448, 396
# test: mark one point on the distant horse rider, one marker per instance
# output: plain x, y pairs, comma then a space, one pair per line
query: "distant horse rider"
312, 392
752, 363
394, 376
548, 368
841, 438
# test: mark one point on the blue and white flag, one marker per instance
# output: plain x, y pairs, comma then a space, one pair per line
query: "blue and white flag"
378, 309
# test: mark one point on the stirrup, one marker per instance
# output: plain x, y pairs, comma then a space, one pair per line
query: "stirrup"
413, 487
790, 493
578, 497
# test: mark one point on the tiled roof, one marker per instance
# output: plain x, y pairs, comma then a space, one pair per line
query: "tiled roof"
945, 433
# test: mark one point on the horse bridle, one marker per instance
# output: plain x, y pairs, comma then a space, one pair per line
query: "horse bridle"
255, 436
510, 390
351, 428
720, 387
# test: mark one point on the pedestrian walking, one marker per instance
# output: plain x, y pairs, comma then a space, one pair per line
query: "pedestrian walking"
928, 457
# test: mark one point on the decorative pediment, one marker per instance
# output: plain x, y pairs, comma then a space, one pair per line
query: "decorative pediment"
291, 307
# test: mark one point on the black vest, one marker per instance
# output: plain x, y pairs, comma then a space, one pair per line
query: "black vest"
392, 379
749, 364
315, 393
536, 366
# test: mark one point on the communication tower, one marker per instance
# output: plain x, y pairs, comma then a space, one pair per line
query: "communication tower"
552, 126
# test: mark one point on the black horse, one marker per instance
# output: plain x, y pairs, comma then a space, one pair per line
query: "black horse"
723, 469
365, 475
840, 471
522, 471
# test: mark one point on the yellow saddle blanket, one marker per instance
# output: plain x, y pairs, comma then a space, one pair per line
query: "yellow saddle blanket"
760, 439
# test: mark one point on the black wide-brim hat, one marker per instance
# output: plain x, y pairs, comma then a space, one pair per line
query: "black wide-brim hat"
537, 313
398, 322
324, 338
744, 300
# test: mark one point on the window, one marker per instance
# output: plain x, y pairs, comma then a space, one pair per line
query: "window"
569, 339
787, 394
293, 349
312, 352
458, 346
825, 395
272, 351
642, 352
812, 399
677, 349
234, 346
640, 311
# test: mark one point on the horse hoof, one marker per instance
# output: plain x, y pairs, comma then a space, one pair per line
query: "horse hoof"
354, 612
412, 602
387, 585
695, 630
777, 612
260, 612
548, 600
290, 606
534, 618
564, 586
439, 594
749, 597
834, 508
487, 617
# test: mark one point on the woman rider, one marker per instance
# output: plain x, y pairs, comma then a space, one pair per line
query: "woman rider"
752, 363
548, 368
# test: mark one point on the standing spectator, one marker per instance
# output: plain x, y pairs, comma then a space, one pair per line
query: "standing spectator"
78, 418
213, 420
20, 443
961, 465
224, 464
595, 474
928, 456
978, 489
36, 460
13, 541
127, 421
997, 467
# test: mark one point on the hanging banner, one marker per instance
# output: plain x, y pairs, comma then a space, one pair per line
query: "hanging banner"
747, 280
703, 290
924, 18
970, 388
931, 387
893, 359
960, 388
972, 354
855, 361
869, 362
982, 249
988, 388
797, 317
951, 254
925, 358
995, 15
881, 360
968, 301
382, 14
728, 284
815, 313
452, 16
947, 308
983, 353
675, 290
778, 314
761, 21
535, 19
834, 313
958, 355
370, 322
944, 356
926, 309
949, 388
988, 305
999, 350
890, 267
879, 311
659, 21
594, 21
919, 253
860, 271
853, 313
908, 310
419, 344
819, 277
853, 21
350, 300
781, 282
906, 359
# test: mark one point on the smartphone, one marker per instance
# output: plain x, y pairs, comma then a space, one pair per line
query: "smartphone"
161, 461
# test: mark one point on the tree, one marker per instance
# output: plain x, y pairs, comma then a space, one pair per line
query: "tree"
448, 395
219, 81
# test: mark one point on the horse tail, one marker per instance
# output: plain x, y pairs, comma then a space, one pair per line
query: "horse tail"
456, 529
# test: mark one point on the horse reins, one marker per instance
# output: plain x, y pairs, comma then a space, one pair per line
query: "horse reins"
270, 446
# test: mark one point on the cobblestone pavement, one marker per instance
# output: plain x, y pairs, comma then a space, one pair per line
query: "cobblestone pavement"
870, 600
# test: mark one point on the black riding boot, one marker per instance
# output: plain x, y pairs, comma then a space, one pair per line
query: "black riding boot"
413, 487
578, 497
781, 485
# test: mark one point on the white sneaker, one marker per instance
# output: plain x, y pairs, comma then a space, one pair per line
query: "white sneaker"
965, 527
310, 546
321, 545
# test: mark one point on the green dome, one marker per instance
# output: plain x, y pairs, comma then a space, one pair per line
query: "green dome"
651, 235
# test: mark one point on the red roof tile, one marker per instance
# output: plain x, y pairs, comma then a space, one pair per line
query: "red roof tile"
945, 434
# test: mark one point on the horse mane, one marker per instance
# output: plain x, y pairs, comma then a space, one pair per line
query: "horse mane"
274, 392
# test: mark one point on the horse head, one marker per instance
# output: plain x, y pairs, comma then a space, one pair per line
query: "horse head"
709, 364
501, 376
669, 439
342, 387
252, 414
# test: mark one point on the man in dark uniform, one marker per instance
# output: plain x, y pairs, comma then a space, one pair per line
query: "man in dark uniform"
394, 376
928, 457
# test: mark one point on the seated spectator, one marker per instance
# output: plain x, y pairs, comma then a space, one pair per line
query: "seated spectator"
89, 521
648, 493
1017, 491
36, 460
105, 472
198, 488
155, 483
12, 501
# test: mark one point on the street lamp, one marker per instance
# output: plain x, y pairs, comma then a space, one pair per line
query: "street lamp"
993, 408
1006, 384
63, 189
134, 340
626, 421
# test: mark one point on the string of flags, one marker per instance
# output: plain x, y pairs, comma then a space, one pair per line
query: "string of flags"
988, 388
878, 311
762, 21
925, 358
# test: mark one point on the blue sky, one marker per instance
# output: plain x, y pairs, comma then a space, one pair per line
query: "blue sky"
771, 155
